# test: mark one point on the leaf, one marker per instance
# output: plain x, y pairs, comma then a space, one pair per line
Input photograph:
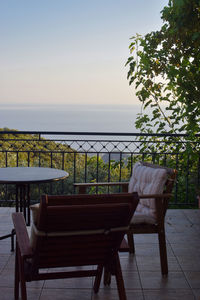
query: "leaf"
129, 60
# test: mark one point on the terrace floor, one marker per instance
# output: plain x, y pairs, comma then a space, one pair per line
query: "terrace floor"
141, 272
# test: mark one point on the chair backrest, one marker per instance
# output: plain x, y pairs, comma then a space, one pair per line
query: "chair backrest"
80, 230
148, 179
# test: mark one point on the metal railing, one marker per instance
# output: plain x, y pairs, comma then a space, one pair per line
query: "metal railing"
99, 157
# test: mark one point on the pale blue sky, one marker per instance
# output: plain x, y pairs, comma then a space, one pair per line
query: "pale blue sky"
70, 51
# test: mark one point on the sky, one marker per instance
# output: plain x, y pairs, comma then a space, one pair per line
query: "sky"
70, 51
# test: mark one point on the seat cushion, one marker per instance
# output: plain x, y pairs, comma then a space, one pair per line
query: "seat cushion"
146, 180
143, 216
35, 212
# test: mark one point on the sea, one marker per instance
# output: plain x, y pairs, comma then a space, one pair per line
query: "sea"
70, 118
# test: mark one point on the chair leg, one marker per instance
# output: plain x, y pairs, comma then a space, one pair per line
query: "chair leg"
22, 277
131, 242
16, 291
119, 279
23, 289
98, 279
163, 252
107, 277
12, 240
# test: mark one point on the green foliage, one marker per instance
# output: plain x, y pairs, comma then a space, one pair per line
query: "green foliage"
164, 67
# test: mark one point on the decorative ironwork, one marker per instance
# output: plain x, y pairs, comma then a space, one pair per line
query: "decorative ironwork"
100, 156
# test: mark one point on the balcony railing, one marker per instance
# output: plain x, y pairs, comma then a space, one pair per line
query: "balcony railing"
97, 157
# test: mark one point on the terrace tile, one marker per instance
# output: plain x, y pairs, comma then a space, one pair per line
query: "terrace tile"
141, 272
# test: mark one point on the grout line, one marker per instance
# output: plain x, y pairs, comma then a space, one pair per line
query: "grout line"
142, 290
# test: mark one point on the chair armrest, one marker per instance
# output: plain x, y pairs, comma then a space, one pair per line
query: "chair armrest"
87, 184
83, 186
157, 196
22, 235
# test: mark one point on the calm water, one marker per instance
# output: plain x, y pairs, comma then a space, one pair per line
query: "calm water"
69, 118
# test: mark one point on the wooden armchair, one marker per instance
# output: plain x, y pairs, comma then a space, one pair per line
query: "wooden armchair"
154, 185
74, 230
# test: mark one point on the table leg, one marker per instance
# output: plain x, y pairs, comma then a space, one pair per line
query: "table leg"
28, 204
16, 199
22, 205
23, 201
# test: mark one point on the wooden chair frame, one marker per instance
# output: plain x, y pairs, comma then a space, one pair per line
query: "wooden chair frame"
74, 230
161, 201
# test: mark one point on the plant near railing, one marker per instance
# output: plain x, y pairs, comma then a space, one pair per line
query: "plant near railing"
164, 69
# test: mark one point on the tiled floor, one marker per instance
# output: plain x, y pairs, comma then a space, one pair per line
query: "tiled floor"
141, 272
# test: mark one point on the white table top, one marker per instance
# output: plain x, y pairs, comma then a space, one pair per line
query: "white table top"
25, 175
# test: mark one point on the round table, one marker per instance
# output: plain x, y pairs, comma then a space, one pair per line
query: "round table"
27, 175
22, 177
